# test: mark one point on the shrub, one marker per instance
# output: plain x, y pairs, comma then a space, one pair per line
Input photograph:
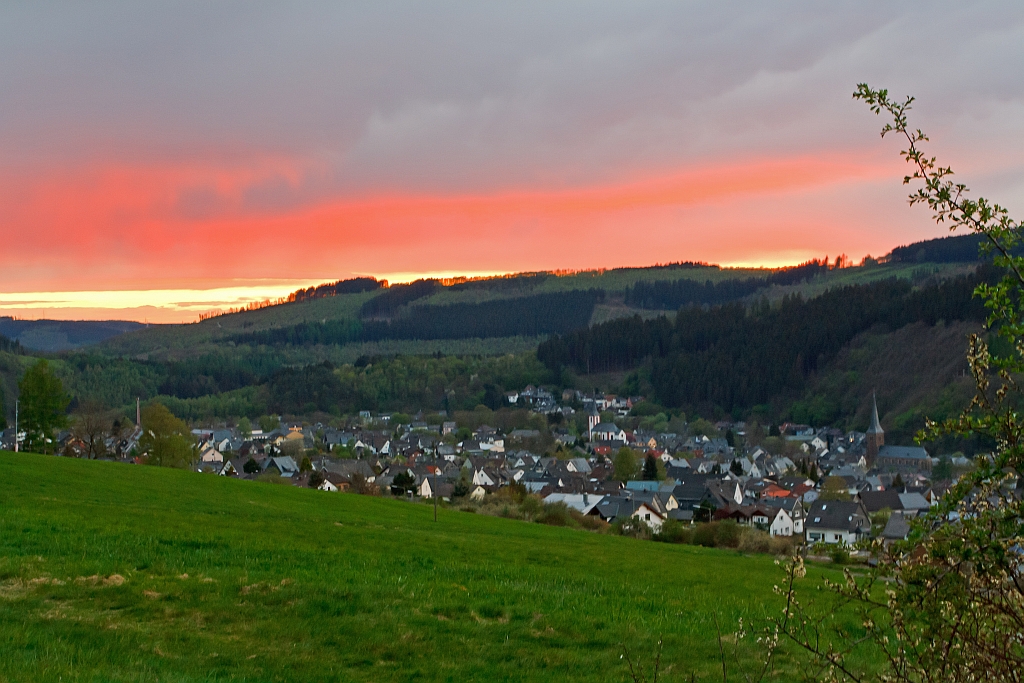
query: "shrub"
755, 541
727, 534
704, 535
589, 522
674, 532
555, 514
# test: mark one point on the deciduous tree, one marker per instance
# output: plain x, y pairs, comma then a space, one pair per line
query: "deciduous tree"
43, 408
166, 440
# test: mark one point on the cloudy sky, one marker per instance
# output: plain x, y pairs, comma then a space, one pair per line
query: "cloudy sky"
158, 159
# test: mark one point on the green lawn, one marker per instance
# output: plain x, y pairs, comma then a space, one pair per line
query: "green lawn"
113, 572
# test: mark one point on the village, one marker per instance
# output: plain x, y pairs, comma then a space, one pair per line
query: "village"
823, 486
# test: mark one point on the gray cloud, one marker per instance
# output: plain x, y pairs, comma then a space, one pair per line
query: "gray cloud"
471, 96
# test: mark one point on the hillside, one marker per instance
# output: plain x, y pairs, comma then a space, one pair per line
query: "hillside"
63, 335
116, 572
485, 315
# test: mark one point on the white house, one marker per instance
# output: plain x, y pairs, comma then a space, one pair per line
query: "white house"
834, 521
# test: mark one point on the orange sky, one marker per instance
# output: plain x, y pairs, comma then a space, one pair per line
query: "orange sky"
123, 228
164, 161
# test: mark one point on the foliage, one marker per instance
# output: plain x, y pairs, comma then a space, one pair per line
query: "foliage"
625, 464
166, 440
676, 294
650, 470
734, 357
835, 488
43, 407
947, 605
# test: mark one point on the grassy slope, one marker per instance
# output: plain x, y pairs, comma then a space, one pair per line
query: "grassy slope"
172, 341
229, 580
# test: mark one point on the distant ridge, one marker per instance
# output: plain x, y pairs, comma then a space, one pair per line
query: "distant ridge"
953, 249
63, 335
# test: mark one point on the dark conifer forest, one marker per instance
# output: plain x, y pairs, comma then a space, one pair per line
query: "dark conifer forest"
734, 357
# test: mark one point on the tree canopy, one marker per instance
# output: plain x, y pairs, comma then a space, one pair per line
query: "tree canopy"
166, 440
43, 408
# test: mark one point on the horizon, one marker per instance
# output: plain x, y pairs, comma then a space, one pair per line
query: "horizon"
287, 147
167, 307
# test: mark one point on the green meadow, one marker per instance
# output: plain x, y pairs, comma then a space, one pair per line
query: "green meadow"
114, 572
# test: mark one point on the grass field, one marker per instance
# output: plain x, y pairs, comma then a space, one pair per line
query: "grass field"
126, 573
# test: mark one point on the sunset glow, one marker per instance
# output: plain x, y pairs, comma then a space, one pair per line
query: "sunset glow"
214, 177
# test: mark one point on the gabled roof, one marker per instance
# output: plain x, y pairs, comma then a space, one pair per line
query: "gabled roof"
897, 528
848, 516
877, 500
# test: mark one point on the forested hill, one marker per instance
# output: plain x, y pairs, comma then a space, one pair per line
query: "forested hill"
734, 357
62, 335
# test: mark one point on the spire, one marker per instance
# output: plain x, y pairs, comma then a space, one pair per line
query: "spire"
876, 427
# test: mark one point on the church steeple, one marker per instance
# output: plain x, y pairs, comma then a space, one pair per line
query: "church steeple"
875, 436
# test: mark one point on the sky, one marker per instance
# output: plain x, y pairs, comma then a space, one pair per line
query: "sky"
162, 159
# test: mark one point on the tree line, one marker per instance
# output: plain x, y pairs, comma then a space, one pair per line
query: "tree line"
674, 294
735, 357
555, 312
355, 285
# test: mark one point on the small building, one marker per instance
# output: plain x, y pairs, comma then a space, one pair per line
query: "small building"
836, 521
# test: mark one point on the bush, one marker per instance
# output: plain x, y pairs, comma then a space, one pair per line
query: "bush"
839, 554
704, 535
755, 541
633, 528
673, 531
589, 522
727, 534
555, 514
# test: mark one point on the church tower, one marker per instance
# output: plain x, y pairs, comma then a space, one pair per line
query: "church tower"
874, 438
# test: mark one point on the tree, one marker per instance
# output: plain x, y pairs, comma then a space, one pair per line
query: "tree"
166, 440
650, 472
943, 471
948, 604
624, 464
835, 488
306, 465
244, 428
736, 468
43, 407
460, 489
92, 423
251, 466
403, 483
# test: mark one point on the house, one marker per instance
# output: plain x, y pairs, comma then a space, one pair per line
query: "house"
577, 501
445, 490
283, 465
880, 500
835, 521
896, 529
913, 504
607, 431
794, 508
617, 507
211, 455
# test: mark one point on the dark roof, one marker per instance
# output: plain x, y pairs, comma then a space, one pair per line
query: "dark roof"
837, 514
877, 500
903, 452
896, 528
